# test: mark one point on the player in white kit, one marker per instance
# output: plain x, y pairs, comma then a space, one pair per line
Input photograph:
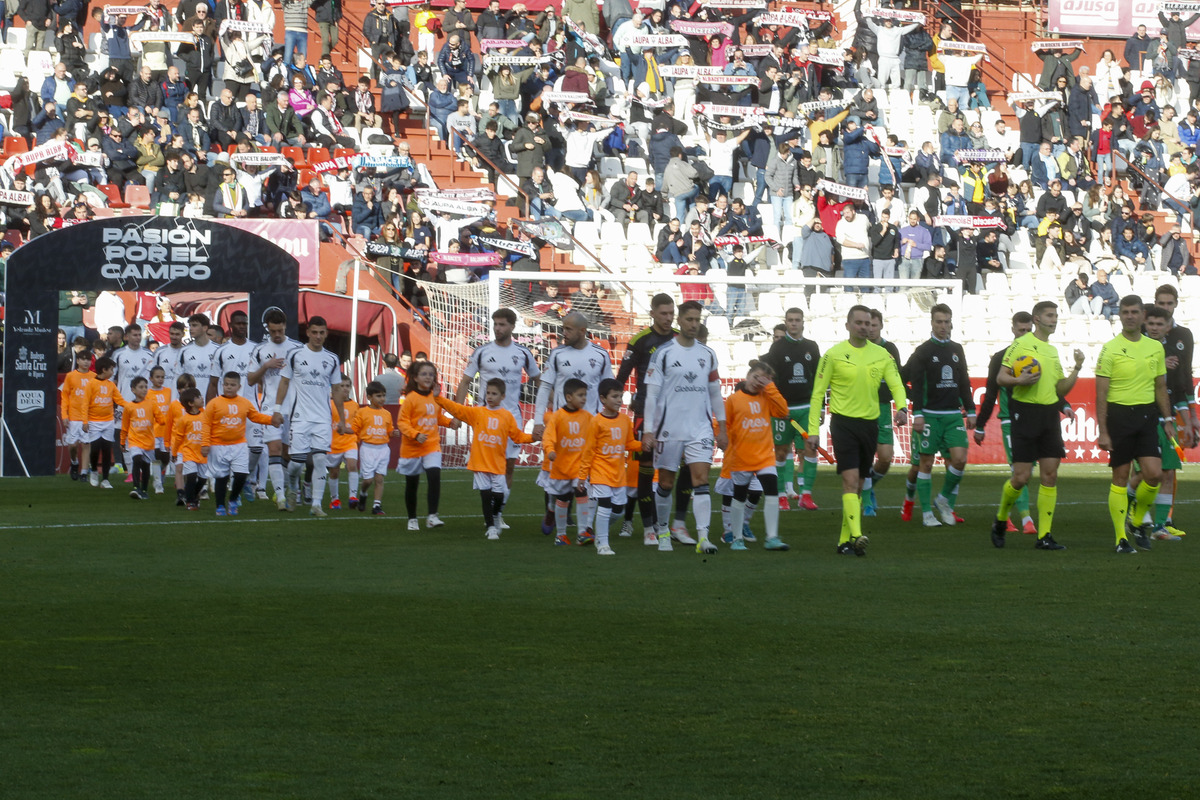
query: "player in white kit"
310, 372
266, 363
133, 361
168, 356
506, 360
579, 358
234, 356
196, 358
683, 397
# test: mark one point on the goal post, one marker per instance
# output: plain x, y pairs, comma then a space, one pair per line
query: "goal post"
617, 307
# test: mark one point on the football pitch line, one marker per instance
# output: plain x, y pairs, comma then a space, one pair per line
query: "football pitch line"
212, 520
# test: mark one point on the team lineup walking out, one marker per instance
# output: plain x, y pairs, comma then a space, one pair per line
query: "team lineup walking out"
228, 419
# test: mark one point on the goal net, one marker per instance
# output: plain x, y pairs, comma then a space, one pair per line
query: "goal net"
618, 306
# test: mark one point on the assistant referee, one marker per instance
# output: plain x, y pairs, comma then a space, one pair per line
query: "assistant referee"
851, 372
1131, 404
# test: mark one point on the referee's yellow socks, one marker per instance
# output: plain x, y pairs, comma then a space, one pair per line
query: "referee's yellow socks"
1144, 501
1118, 507
1047, 499
1008, 496
851, 518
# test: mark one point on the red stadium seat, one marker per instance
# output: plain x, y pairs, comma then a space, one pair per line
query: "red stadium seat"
344, 151
137, 196
15, 144
318, 154
114, 196
296, 154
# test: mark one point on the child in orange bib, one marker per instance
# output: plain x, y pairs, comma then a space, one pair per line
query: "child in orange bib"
493, 427
751, 451
602, 466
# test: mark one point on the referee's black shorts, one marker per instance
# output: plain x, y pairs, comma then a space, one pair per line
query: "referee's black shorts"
854, 442
1036, 432
1134, 433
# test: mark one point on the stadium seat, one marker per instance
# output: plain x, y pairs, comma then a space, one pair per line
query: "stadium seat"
15, 144
639, 234
339, 152
296, 154
114, 196
137, 196
317, 154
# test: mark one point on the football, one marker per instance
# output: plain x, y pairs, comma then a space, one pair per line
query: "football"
1027, 364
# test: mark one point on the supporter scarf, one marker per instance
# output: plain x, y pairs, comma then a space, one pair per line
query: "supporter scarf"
450, 206
576, 116
467, 259
656, 40
984, 155
970, 47
898, 15
1072, 44
712, 124
750, 50
517, 61
89, 159
548, 230
127, 11
1188, 54
12, 197
1181, 7
501, 44
829, 56
331, 166
688, 71
787, 122
716, 110
853, 192
58, 151
562, 98
524, 248
162, 36
793, 19
244, 27
381, 162
587, 40
735, 3
816, 105
1035, 97
259, 159
967, 221
650, 102
395, 251
701, 28
481, 193
730, 241
895, 152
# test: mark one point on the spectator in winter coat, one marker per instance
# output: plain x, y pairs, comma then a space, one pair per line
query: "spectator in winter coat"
1131, 250
888, 41
1103, 295
1056, 64
914, 59
857, 153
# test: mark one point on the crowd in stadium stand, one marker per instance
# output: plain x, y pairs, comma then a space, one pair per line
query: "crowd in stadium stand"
729, 100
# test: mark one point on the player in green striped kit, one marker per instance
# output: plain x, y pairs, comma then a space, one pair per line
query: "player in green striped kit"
794, 360
1022, 323
941, 393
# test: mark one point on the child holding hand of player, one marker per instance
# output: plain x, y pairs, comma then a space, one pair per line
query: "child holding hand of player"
562, 446
223, 441
372, 424
420, 443
344, 448
174, 412
161, 395
751, 451
493, 426
99, 427
187, 441
138, 423
602, 466
74, 412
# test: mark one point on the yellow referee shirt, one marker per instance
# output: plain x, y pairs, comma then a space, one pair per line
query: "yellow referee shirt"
1045, 391
1131, 369
852, 376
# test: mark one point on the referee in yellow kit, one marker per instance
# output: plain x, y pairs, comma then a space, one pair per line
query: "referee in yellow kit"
852, 371
1131, 404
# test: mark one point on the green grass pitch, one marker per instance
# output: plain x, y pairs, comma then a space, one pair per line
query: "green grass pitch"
150, 653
